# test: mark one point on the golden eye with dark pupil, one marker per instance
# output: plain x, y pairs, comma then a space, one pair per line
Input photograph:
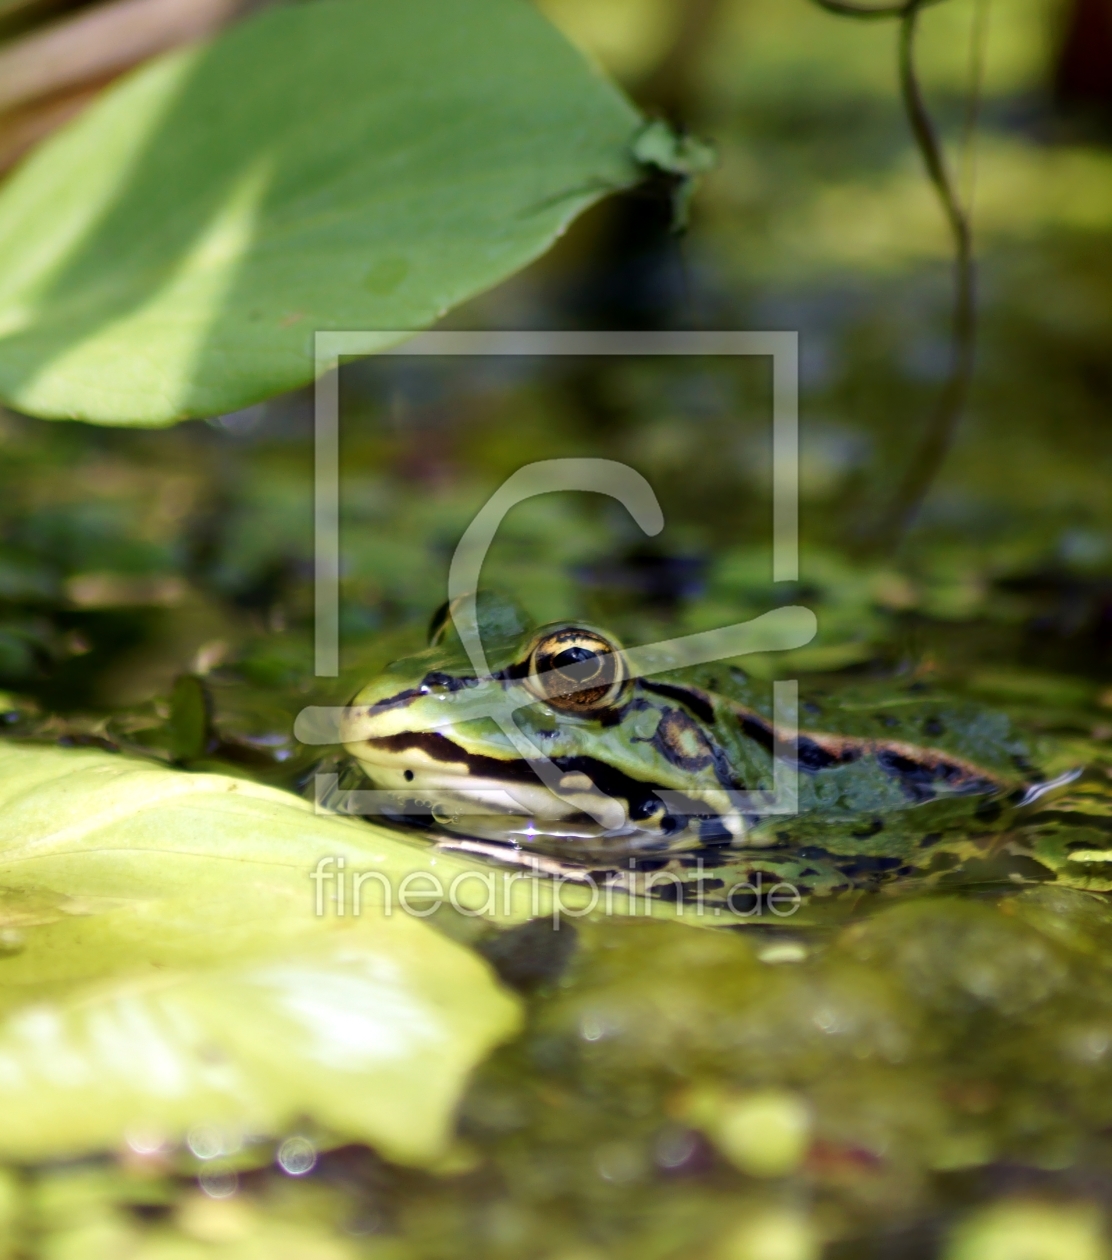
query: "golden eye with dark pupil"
576, 671
576, 656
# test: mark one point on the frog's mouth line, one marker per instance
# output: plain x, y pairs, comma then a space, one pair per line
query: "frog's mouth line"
426, 761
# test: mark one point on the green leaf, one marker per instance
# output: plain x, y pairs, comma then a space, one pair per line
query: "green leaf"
347, 164
163, 967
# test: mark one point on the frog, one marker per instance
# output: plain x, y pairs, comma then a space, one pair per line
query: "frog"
560, 757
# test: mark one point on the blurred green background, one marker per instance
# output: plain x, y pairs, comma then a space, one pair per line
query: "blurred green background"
932, 1081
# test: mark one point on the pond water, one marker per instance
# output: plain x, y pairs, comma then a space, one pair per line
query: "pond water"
914, 1068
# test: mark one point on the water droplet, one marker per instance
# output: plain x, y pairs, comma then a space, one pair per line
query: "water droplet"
826, 1020
219, 1183
207, 1141
297, 1156
591, 1028
620, 1163
674, 1147
146, 1141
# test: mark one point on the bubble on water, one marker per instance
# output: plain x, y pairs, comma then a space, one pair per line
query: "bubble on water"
207, 1141
674, 1147
592, 1028
1087, 1045
219, 1182
827, 1020
146, 1141
620, 1162
366, 1220
297, 1156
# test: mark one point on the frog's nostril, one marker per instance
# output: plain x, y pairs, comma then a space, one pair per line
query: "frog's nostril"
408, 776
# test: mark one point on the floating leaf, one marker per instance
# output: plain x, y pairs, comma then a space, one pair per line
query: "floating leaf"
345, 164
164, 967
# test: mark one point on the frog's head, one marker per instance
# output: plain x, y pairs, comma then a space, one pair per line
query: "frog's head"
554, 741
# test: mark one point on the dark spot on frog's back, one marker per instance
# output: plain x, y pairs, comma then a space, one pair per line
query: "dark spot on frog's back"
648, 865
872, 828
681, 741
988, 811
708, 858
920, 777
867, 864
813, 756
815, 853
916, 777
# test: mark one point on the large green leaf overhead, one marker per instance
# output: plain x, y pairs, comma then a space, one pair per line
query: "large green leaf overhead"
346, 164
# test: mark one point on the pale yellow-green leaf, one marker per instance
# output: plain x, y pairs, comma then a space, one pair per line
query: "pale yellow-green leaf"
164, 969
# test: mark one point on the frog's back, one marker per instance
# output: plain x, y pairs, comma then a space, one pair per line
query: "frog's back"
903, 718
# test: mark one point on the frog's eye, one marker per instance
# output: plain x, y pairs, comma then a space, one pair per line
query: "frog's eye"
576, 671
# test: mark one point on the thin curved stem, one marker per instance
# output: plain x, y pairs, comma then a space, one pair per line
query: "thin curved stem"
978, 55
935, 444
923, 129
936, 441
